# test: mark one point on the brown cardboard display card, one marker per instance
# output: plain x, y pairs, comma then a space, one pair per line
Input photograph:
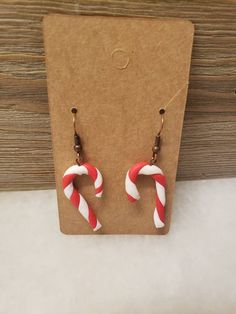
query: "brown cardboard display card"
118, 72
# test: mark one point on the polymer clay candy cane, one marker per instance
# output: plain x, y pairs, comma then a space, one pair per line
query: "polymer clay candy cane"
144, 168
76, 198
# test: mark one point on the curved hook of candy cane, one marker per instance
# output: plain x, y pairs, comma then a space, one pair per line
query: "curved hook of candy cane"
156, 173
76, 198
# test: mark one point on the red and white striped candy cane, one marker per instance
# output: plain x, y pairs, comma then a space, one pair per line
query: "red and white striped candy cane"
133, 194
76, 198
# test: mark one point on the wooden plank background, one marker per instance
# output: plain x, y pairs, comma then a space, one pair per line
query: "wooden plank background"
208, 148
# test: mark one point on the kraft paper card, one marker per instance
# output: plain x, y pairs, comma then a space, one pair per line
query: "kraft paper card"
118, 72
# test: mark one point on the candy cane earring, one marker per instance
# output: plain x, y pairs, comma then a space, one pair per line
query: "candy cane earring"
79, 169
156, 173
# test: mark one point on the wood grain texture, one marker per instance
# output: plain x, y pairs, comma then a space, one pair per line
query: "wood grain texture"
208, 148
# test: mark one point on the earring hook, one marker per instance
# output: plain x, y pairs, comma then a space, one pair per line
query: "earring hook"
77, 139
161, 112
74, 111
157, 144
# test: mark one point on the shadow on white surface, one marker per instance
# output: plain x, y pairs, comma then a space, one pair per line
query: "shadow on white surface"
191, 270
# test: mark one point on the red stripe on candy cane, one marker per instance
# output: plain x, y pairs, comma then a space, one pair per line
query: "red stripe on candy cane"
92, 171
134, 171
67, 179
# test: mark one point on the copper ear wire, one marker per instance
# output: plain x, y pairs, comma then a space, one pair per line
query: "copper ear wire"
161, 112
74, 111
157, 144
77, 140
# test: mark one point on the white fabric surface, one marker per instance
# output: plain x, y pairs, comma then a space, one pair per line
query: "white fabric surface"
191, 270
